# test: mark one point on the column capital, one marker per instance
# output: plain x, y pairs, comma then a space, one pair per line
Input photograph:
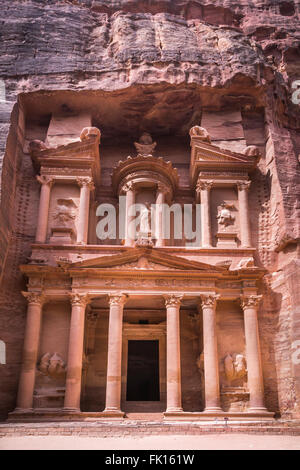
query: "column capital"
45, 180
209, 300
118, 299
250, 301
85, 181
36, 298
243, 185
204, 185
173, 300
79, 300
129, 186
162, 188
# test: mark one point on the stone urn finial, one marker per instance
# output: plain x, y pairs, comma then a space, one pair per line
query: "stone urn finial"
145, 145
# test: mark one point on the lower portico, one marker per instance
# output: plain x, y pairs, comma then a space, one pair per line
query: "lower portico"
148, 283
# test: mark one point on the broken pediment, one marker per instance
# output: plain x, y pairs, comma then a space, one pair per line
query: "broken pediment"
208, 157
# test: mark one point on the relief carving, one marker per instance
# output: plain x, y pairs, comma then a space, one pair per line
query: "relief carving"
65, 213
235, 366
225, 217
52, 365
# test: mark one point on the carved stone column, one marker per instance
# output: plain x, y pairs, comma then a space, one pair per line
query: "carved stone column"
43, 215
159, 228
211, 361
86, 186
243, 187
254, 367
130, 201
75, 352
114, 358
30, 350
173, 354
204, 187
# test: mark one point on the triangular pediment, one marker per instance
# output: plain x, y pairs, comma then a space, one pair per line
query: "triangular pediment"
146, 260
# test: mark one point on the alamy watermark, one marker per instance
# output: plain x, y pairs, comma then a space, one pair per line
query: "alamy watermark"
296, 93
150, 221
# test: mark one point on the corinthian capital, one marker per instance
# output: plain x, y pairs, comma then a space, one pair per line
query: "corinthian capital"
204, 185
79, 300
173, 300
209, 300
85, 181
34, 297
243, 185
117, 299
44, 179
162, 188
127, 187
250, 301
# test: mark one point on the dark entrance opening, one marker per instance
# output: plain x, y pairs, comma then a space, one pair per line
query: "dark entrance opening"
143, 371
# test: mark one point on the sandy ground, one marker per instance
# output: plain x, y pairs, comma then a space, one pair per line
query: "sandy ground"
205, 442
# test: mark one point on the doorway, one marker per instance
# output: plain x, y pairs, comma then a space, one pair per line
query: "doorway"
143, 371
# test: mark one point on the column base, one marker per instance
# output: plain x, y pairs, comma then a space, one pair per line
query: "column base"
68, 409
213, 409
21, 411
257, 409
113, 413
174, 410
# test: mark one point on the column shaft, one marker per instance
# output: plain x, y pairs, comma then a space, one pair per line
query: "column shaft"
86, 185
75, 352
173, 354
204, 187
30, 351
159, 228
43, 214
211, 361
130, 201
254, 365
114, 358
244, 214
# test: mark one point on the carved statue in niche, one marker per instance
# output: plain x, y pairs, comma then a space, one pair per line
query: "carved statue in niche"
225, 217
52, 365
63, 229
144, 221
235, 367
145, 145
65, 213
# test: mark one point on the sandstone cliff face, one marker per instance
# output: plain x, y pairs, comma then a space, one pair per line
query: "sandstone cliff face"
160, 64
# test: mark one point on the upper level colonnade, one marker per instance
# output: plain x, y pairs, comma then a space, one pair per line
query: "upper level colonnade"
147, 209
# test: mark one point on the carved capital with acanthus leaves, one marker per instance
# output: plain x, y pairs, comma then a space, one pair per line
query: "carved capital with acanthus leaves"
45, 180
250, 301
34, 298
204, 186
243, 185
173, 300
118, 299
79, 300
209, 300
85, 182
129, 186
